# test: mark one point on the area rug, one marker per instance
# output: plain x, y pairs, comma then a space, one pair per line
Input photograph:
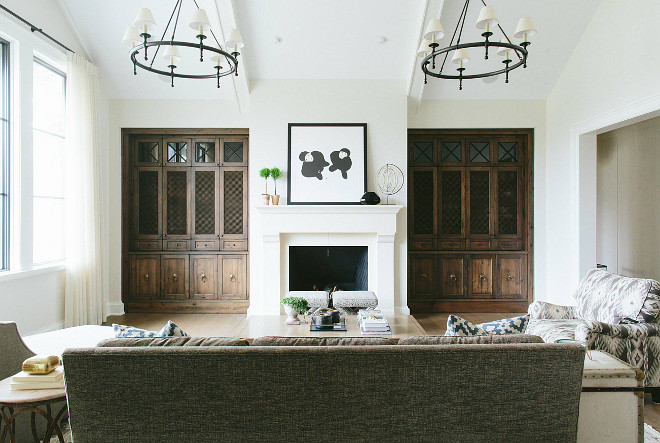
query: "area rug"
650, 434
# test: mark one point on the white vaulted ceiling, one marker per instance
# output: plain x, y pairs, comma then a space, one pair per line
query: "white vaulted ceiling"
332, 39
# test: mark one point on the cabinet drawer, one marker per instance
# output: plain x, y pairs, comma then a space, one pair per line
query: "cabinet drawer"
236, 245
508, 245
176, 245
205, 296
209, 245
479, 244
451, 244
148, 245
423, 245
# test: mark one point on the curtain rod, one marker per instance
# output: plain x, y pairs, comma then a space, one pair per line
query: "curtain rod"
35, 29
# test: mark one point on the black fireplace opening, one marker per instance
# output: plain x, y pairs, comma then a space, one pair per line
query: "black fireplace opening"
317, 267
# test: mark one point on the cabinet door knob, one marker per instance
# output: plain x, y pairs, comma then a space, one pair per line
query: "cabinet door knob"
203, 277
164, 235
232, 277
175, 277
146, 276
452, 277
482, 276
424, 276
509, 277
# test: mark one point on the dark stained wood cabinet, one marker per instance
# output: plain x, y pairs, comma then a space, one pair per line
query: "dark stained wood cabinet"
185, 220
470, 230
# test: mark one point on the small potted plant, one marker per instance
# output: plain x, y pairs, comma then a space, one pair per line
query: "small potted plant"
276, 173
294, 306
265, 173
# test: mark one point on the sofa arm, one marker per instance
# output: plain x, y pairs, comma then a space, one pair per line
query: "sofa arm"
588, 331
634, 343
540, 310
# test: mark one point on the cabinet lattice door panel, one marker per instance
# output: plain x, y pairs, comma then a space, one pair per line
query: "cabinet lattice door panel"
234, 203
176, 203
451, 202
422, 213
145, 276
470, 220
206, 223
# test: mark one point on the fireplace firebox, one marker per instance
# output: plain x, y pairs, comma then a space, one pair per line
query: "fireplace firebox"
318, 267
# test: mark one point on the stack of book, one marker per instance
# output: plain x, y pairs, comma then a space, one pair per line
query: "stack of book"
39, 372
373, 322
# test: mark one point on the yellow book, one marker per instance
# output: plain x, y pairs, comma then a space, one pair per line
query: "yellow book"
55, 375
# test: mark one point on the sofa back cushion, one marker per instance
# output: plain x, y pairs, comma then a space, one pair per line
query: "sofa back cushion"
472, 340
323, 341
611, 298
172, 341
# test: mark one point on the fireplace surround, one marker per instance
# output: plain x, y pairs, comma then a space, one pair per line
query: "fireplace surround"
326, 226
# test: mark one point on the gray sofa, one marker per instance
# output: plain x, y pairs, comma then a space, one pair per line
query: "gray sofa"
276, 389
612, 313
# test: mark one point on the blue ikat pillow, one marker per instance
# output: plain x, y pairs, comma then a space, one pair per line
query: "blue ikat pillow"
460, 327
169, 330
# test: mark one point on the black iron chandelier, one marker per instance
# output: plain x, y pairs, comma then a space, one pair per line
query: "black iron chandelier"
487, 20
138, 37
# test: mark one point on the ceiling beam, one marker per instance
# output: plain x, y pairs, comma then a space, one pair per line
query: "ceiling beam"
223, 13
432, 9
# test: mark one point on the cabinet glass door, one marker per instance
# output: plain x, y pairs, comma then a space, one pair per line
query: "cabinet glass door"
205, 151
422, 152
148, 151
178, 152
234, 151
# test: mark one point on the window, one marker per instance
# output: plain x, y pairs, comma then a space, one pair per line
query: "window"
4, 155
48, 126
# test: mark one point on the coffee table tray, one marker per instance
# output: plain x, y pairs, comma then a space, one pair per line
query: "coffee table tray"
337, 327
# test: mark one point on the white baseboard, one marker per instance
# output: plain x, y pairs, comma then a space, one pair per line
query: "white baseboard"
402, 310
49, 328
116, 308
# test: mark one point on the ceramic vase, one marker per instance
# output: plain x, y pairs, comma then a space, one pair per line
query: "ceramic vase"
292, 315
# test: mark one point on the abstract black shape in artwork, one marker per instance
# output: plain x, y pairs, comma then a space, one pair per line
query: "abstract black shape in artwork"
313, 164
341, 160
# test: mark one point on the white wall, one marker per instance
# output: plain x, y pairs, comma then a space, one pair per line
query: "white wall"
276, 103
605, 82
151, 114
628, 201
500, 114
33, 299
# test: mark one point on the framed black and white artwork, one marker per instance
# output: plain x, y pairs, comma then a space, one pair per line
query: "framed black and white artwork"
327, 163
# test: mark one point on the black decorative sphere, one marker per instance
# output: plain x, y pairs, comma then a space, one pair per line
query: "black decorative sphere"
370, 198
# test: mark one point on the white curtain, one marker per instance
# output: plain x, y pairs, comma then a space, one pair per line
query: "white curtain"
84, 298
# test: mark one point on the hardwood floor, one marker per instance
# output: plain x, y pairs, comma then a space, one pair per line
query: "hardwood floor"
227, 325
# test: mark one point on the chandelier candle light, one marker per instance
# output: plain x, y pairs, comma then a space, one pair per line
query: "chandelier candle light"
487, 21
138, 37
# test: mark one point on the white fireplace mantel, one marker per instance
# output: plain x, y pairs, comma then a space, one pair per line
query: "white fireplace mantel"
320, 225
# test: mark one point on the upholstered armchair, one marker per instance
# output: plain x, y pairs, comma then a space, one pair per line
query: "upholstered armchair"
612, 313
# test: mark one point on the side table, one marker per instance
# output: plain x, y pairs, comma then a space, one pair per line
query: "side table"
35, 401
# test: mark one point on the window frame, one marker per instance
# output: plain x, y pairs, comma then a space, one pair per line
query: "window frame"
5, 182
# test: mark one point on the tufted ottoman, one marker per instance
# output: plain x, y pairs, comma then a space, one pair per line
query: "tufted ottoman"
349, 302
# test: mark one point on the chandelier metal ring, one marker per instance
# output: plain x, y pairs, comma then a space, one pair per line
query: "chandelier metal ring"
522, 53
230, 59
